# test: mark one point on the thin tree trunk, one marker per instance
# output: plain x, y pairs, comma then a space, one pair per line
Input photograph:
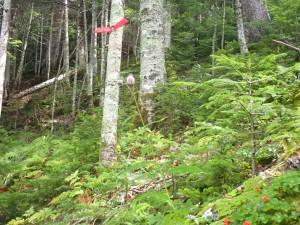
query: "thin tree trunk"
167, 23
66, 43
21, 65
93, 56
94, 36
49, 48
223, 24
76, 64
152, 54
3, 46
240, 27
104, 20
252, 130
41, 47
87, 66
214, 38
56, 33
111, 99
15, 20
54, 95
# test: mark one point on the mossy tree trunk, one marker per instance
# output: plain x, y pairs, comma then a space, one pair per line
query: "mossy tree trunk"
111, 97
152, 53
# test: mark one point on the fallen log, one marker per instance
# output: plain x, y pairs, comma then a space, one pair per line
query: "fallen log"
287, 45
42, 85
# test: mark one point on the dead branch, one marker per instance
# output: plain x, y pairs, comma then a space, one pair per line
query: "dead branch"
287, 45
42, 85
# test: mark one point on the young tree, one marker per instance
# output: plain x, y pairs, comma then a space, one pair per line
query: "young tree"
3, 45
111, 97
152, 53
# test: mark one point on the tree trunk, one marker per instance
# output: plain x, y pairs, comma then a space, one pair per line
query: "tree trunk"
104, 23
87, 66
55, 36
152, 54
111, 98
167, 23
254, 11
214, 38
21, 65
41, 47
3, 45
76, 63
223, 24
240, 27
66, 43
93, 55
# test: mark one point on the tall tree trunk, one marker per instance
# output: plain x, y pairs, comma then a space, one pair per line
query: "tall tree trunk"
93, 55
55, 36
167, 23
3, 46
76, 63
254, 11
15, 29
94, 50
214, 38
21, 65
87, 66
41, 46
66, 43
240, 26
223, 23
152, 53
111, 98
104, 19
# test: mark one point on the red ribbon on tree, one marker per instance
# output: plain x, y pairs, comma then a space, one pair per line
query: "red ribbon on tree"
119, 24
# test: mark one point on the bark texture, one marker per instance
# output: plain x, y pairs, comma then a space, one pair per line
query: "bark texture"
152, 53
3, 45
111, 97
254, 12
240, 26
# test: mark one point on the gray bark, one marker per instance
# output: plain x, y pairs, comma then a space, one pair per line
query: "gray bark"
41, 46
111, 97
104, 20
152, 54
167, 23
240, 27
87, 66
3, 46
66, 43
76, 64
214, 38
254, 11
223, 23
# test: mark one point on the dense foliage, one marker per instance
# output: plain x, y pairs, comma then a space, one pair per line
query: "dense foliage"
216, 128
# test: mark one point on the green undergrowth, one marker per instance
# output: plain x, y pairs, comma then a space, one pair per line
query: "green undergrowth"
196, 157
